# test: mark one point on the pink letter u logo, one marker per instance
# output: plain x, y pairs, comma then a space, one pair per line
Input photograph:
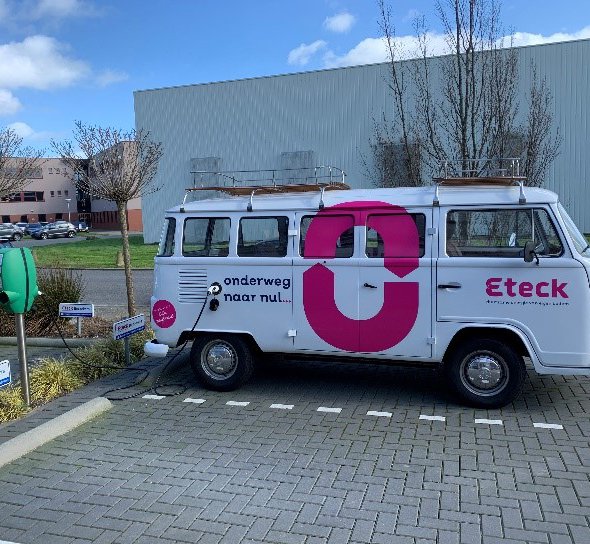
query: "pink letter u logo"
397, 316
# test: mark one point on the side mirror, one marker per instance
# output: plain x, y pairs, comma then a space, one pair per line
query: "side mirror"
529, 252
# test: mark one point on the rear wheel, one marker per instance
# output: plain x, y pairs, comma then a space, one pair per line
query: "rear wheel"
486, 373
71, 234
221, 362
17, 236
43, 236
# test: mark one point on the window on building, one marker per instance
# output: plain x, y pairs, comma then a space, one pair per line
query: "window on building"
23, 219
263, 237
500, 233
394, 223
52, 193
319, 249
57, 170
66, 192
30, 196
6, 219
58, 216
58, 193
42, 217
51, 170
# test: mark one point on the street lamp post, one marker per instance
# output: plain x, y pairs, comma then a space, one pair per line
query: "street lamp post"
68, 201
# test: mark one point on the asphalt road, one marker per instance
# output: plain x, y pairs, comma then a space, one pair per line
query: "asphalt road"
106, 290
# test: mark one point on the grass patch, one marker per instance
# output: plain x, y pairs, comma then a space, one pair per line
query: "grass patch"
95, 253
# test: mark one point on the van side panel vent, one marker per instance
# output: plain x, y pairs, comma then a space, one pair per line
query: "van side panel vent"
192, 285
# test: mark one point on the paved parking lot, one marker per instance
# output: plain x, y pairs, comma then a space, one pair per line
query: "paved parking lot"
310, 453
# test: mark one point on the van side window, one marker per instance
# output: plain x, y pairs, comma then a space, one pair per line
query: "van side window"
500, 233
166, 248
375, 247
263, 237
344, 247
206, 237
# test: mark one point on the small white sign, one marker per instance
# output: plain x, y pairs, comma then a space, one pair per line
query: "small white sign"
4, 373
127, 327
69, 309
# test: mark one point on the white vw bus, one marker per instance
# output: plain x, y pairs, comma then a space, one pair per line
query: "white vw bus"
469, 275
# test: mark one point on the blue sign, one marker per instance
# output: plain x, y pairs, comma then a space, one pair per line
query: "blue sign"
4, 373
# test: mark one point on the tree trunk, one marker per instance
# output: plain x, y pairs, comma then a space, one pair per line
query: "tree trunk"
122, 208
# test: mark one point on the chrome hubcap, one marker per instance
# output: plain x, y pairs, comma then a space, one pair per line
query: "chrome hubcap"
484, 373
219, 359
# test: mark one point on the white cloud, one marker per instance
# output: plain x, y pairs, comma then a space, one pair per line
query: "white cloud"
341, 22
22, 129
9, 104
60, 9
108, 77
38, 62
372, 50
301, 55
412, 15
527, 38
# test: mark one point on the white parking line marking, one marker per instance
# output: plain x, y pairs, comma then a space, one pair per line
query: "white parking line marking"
379, 414
153, 397
547, 426
236, 403
6, 542
329, 410
432, 418
282, 406
489, 421
194, 401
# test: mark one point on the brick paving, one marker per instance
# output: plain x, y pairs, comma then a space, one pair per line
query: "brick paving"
163, 471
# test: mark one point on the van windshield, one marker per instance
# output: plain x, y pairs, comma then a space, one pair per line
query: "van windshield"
580, 242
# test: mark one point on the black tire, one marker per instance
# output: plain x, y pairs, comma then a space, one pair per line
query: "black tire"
17, 236
221, 362
43, 236
485, 372
71, 234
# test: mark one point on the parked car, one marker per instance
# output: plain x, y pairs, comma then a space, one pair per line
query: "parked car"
22, 225
81, 226
59, 229
8, 231
32, 227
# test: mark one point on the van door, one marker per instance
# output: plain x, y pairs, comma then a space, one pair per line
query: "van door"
396, 283
325, 282
482, 278
364, 296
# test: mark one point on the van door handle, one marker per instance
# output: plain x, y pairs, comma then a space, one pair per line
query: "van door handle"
451, 285
370, 286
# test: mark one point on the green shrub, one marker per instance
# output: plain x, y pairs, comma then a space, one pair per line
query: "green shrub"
53, 378
12, 406
57, 285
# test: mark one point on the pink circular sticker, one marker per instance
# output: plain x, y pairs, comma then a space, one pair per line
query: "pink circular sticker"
164, 314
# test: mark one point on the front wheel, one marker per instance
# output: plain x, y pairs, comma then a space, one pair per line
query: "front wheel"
71, 234
486, 373
17, 236
221, 362
43, 236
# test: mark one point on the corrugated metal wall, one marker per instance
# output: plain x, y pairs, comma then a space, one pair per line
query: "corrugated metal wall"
249, 124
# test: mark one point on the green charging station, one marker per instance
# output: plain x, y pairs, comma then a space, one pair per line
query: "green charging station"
18, 280
18, 290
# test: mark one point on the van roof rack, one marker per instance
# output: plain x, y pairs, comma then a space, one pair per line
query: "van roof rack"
476, 172
286, 180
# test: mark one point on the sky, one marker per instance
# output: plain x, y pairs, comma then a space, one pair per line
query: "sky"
67, 60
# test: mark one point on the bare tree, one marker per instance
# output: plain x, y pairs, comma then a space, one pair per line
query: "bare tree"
473, 120
115, 165
17, 163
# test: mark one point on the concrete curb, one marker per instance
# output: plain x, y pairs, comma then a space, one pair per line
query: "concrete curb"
31, 440
50, 342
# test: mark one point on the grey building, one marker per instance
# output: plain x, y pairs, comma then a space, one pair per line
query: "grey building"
327, 117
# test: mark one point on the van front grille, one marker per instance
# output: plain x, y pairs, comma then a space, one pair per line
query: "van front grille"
192, 285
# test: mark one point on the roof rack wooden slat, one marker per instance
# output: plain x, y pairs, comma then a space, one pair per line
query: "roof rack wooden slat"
273, 189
